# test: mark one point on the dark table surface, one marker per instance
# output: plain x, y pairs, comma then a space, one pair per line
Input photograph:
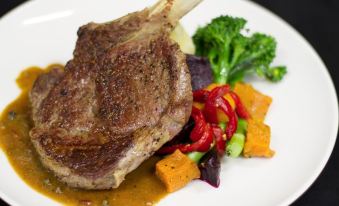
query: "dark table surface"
318, 21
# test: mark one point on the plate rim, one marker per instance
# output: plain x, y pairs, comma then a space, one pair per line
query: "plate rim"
316, 173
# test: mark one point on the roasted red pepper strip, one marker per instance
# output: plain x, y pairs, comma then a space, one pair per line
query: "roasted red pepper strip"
220, 140
232, 124
202, 145
200, 95
210, 109
199, 124
202, 133
239, 107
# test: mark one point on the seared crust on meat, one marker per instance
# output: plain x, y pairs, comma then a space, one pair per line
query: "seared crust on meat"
126, 92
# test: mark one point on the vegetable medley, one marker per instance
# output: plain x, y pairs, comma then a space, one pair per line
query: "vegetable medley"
228, 115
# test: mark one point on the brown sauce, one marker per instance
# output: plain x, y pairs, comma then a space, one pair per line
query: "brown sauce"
141, 187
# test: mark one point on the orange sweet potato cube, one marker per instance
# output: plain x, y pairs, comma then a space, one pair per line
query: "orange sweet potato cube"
257, 143
176, 170
256, 103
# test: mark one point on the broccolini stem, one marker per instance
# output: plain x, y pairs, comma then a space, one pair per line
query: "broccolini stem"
220, 79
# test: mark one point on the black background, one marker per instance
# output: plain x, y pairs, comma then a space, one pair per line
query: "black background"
318, 21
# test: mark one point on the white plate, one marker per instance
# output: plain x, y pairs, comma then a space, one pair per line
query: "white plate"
303, 116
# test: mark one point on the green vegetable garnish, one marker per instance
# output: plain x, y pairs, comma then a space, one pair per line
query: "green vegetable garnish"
222, 125
236, 145
234, 55
237, 142
242, 126
195, 156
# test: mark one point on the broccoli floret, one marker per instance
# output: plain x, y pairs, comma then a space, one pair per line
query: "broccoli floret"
234, 55
275, 74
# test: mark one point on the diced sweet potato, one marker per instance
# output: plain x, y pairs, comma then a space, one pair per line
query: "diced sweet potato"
176, 170
256, 103
257, 142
